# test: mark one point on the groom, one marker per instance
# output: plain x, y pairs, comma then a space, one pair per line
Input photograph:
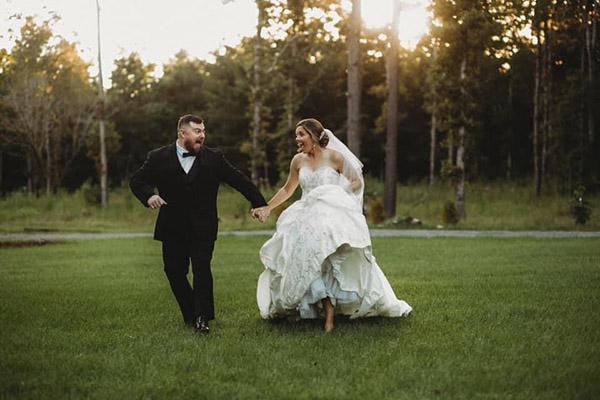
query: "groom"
187, 175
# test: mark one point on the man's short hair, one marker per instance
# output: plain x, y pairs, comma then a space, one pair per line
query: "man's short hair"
186, 119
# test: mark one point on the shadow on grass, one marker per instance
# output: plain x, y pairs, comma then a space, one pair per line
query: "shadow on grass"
293, 325
28, 243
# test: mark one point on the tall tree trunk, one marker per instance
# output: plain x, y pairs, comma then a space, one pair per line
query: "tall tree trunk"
590, 46
29, 173
102, 107
1, 173
546, 98
257, 94
391, 145
286, 145
460, 150
291, 109
103, 162
450, 142
354, 79
432, 146
48, 164
536, 117
509, 134
433, 129
582, 111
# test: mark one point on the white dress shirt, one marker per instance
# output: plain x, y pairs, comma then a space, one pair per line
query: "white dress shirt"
186, 162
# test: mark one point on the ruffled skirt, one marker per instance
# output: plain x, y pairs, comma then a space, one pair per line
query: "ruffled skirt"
322, 249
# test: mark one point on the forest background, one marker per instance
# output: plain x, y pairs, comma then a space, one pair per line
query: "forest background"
499, 93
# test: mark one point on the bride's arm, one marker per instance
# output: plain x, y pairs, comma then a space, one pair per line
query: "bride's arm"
355, 182
290, 186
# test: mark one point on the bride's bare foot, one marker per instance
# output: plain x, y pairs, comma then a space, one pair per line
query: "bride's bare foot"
328, 315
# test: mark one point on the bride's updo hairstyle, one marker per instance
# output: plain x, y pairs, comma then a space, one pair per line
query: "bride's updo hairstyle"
316, 130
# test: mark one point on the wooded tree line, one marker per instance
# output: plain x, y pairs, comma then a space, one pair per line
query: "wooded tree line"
499, 89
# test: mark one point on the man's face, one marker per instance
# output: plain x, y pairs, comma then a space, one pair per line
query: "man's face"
192, 136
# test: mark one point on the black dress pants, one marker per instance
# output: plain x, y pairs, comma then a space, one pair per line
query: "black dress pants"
197, 300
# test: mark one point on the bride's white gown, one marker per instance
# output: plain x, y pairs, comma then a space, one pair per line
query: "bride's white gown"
322, 248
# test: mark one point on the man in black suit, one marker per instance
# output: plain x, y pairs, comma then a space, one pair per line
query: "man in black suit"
187, 175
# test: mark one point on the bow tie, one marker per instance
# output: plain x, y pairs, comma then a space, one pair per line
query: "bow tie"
188, 154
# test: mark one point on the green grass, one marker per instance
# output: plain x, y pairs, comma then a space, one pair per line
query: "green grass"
71, 212
493, 318
489, 206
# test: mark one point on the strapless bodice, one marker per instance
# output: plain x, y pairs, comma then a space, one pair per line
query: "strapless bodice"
310, 179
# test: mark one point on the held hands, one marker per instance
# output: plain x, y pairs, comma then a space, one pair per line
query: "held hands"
155, 202
261, 213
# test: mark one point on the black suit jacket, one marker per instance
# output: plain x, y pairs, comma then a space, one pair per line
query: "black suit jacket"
191, 210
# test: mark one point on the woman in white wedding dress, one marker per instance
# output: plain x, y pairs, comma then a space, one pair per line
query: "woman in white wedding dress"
319, 261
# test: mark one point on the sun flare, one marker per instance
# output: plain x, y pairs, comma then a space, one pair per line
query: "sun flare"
413, 21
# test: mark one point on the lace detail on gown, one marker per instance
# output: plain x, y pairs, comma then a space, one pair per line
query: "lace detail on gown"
322, 248
324, 175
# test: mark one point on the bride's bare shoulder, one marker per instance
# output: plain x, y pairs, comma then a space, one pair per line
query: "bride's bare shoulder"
334, 155
298, 160
336, 159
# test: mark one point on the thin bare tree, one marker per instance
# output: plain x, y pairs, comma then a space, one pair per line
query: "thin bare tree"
433, 130
391, 145
460, 149
31, 126
257, 93
537, 176
354, 79
591, 22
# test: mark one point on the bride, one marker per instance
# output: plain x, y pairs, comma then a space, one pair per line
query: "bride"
319, 261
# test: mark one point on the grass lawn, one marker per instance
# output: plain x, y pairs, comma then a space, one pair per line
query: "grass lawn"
493, 318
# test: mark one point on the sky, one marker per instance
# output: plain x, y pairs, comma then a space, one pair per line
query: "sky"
157, 30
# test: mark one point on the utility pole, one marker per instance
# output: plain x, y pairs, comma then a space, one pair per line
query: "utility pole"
101, 109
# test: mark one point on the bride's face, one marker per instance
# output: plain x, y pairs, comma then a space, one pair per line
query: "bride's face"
304, 141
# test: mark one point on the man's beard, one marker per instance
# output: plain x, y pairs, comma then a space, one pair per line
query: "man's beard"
194, 147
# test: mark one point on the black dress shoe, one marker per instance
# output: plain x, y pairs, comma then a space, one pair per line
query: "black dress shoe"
202, 325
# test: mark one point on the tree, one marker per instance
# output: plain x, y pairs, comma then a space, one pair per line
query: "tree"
431, 106
303, 58
130, 110
4, 57
75, 108
256, 148
49, 104
464, 30
27, 99
541, 92
181, 90
354, 79
257, 99
391, 144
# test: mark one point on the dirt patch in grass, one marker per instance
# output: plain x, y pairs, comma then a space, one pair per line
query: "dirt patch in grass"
27, 243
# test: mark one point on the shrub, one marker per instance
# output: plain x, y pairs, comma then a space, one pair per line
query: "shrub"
376, 211
580, 207
91, 193
450, 213
450, 172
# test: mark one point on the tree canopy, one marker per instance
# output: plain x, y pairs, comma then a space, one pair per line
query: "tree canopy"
513, 83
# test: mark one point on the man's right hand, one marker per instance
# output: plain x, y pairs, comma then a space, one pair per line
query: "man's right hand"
155, 202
